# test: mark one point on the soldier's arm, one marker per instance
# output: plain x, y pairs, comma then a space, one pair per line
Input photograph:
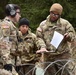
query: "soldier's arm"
70, 32
41, 44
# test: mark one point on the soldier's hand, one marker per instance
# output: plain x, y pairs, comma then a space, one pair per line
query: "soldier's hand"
66, 37
42, 50
8, 67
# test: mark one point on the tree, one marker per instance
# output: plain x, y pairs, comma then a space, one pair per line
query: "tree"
38, 10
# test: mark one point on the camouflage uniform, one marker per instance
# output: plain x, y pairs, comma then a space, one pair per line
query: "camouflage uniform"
45, 33
73, 53
27, 46
8, 37
73, 48
5, 72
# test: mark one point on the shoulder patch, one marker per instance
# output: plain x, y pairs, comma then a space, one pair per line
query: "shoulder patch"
5, 26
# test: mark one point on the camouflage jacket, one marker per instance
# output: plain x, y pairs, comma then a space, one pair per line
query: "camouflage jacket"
8, 39
45, 32
28, 44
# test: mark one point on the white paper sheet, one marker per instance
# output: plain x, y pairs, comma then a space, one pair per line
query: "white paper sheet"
56, 40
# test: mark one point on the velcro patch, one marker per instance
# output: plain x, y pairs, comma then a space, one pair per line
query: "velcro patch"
5, 26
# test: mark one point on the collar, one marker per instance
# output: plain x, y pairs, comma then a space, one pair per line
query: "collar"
50, 23
8, 19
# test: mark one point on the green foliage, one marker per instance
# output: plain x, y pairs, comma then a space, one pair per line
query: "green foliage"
38, 10
2, 6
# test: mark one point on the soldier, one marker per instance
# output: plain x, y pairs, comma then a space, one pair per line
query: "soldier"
45, 32
8, 36
27, 47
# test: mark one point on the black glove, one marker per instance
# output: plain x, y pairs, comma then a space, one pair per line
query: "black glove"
8, 67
